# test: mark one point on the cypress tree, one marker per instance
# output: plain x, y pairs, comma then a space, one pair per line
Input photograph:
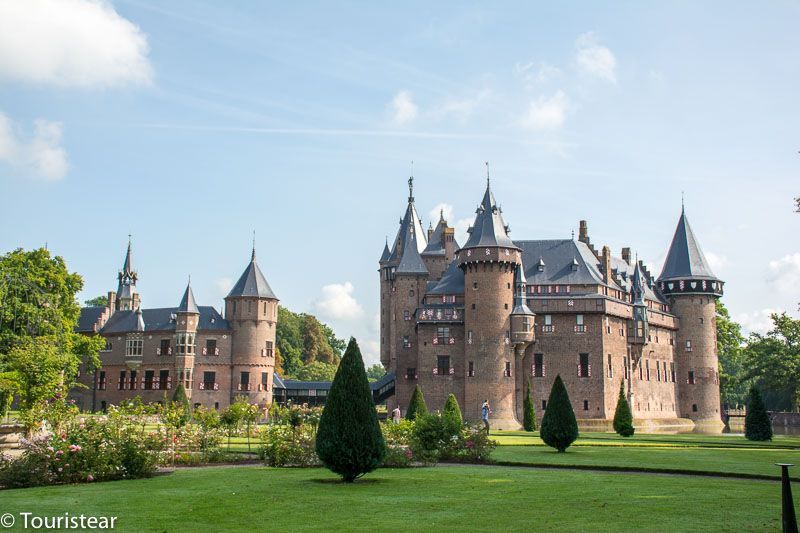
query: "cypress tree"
528, 411
416, 407
452, 413
349, 439
757, 425
179, 397
559, 426
623, 420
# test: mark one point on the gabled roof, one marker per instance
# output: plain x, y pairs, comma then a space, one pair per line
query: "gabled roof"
88, 318
488, 228
188, 304
162, 319
436, 240
685, 259
252, 282
452, 281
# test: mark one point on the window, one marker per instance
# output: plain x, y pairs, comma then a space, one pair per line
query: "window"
406, 315
165, 348
443, 365
184, 343
244, 381
133, 380
265, 308
164, 381
548, 324
647, 368
133, 347
694, 407
672, 338
264, 381
702, 320
406, 342
580, 327
610, 370
526, 324
640, 371
469, 337
148, 379
209, 381
666, 376
108, 347
625, 368
584, 368
473, 307
411, 373
585, 405
506, 306
268, 349
690, 381
672, 371
507, 371
688, 346
538, 365
471, 369
121, 385
211, 347
249, 306
658, 372
474, 284
411, 292
544, 405
101, 380
442, 335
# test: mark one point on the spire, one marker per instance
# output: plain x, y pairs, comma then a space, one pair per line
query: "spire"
127, 267
638, 284
253, 255
410, 228
520, 298
386, 253
188, 304
411, 185
488, 228
252, 283
685, 260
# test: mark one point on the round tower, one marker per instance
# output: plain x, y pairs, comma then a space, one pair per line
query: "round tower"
187, 317
692, 291
251, 308
489, 260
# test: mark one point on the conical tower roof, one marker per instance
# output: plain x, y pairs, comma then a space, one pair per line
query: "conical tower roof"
386, 253
520, 299
685, 259
188, 304
252, 282
410, 229
488, 228
638, 285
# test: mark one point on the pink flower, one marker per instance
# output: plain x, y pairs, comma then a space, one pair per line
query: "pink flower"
409, 454
470, 444
59, 452
90, 478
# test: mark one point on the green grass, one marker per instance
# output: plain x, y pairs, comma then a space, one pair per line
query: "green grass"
522, 438
440, 498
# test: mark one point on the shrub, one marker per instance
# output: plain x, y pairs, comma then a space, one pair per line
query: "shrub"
283, 445
623, 420
432, 437
349, 440
474, 445
179, 397
416, 407
757, 425
528, 412
398, 443
559, 427
452, 412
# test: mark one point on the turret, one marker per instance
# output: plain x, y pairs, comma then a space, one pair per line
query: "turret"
489, 260
127, 299
252, 310
638, 327
522, 331
187, 316
438, 254
692, 289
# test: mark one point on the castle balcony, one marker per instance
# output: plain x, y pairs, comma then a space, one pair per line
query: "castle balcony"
432, 315
523, 337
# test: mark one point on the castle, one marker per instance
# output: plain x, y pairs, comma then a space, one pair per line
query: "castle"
148, 352
480, 320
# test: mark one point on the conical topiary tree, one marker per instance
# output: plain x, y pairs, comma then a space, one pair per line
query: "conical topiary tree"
349, 439
528, 411
757, 425
416, 407
179, 397
559, 427
452, 413
623, 420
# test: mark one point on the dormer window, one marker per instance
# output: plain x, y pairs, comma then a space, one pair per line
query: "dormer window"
574, 265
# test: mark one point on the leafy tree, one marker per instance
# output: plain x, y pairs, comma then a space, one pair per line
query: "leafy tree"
317, 371
773, 360
39, 369
623, 420
730, 342
247, 414
230, 419
416, 407
559, 426
528, 411
375, 372
338, 345
452, 413
180, 399
301, 339
757, 425
315, 343
349, 439
289, 340
97, 301
208, 421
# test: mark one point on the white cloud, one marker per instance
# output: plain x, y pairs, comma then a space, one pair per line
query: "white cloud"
594, 59
371, 351
461, 108
547, 113
337, 303
224, 286
533, 74
441, 209
41, 155
402, 108
756, 321
784, 273
716, 262
80, 43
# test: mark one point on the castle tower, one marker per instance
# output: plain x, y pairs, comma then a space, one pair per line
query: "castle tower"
638, 326
692, 291
489, 260
252, 310
522, 333
403, 285
126, 297
187, 317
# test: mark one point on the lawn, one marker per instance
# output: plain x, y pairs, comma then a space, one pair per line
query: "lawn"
444, 497
692, 440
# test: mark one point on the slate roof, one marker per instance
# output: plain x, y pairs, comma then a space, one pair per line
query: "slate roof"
386, 253
559, 256
160, 319
252, 282
685, 259
488, 228
435, 243
88, 318
188, 304
452, 281
625, 273
520, 293
294, 384
410, 259
410, 228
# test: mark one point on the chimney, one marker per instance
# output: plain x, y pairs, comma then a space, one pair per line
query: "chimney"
626, 255
583, 232
112, 302
430, 231
605, 261
448, 235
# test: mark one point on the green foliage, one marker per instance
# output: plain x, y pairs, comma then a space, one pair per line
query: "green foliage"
416, 407
757, 425
284, 445
40, 369
559, 426
398, 443
301, 339
97, 301
528, 411
730, 349
773, 360
317, 371
208, 424
452, 413
349, 441
179, 397
375, 372
435, 438
623, 419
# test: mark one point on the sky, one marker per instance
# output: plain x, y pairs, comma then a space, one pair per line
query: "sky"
191, 125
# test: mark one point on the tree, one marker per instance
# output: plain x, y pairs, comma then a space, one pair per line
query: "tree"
757, 425
97, 301
315, 343
416, 407
623, 420
317, 371
773, 360
230, 420
39, 369
338, 345
180, 399
528, 411
730, 342
375, 372
301, 339
452, 413
559, 426
349, 439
